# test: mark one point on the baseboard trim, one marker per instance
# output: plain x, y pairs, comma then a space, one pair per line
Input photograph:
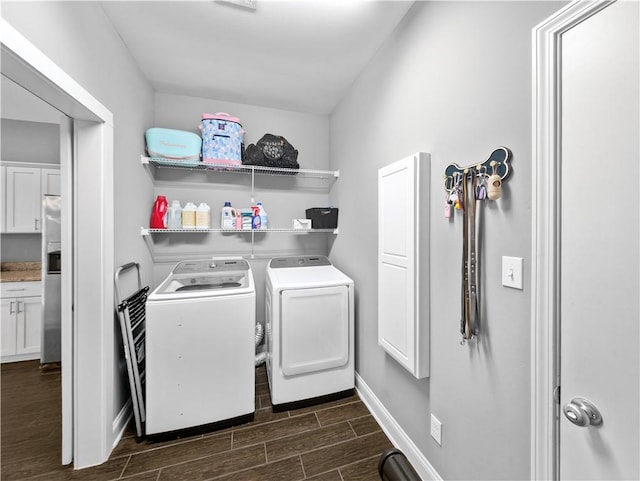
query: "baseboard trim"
395, 433
121, 421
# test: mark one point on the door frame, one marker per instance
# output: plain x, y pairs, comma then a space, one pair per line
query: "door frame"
87, 305
545, 247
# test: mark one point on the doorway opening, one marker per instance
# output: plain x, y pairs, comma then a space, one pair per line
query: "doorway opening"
87, 287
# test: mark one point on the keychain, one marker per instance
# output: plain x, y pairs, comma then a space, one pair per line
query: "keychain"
447, 206
456, 194
481, 190
495, 184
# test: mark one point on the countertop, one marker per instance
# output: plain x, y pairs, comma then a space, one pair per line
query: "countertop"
20, 271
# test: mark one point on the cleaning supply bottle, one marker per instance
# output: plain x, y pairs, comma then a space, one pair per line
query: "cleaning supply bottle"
263, 216
203, 216
246, 219
159, 213
228, 217
255, 217
189, 216
174, 217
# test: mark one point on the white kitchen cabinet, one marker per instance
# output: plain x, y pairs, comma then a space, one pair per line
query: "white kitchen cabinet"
403, 262
3, 207
50, 182
23, 200
21, 323
9, 327
23, 187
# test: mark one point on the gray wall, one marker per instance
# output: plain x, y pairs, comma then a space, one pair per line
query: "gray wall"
284, 198
26, 142
453, 80
30, 141
78, 37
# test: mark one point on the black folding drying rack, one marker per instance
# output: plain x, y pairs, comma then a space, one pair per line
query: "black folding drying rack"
132, 314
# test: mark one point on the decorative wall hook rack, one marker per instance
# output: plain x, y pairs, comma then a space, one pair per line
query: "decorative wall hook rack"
464, 187
497, 163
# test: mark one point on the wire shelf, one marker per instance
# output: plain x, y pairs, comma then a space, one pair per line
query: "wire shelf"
242, 169
147, 231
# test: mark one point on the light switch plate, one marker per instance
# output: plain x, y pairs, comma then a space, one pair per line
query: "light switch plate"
512, 272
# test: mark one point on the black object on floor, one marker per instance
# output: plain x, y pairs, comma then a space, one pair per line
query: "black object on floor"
394, 466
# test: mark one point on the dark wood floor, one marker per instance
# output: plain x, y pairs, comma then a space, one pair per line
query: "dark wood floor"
336, 441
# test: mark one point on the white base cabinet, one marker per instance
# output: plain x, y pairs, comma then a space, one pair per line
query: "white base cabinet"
21, 321
403, 262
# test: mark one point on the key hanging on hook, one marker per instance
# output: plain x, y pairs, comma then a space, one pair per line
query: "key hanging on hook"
481, 190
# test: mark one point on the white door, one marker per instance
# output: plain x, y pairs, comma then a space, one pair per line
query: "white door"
599, 244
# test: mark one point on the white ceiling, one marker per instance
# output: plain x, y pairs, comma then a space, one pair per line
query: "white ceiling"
296, 55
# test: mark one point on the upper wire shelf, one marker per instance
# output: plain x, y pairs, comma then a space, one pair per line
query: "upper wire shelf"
242, 169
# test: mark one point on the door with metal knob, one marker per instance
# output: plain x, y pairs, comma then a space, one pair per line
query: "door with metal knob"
582, 413
599, 261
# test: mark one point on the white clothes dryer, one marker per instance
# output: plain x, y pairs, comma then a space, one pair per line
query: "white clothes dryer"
200, 346
309, 331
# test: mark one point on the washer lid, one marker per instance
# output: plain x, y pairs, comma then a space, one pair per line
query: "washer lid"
301, 261
204, 282
318, 272
206, 278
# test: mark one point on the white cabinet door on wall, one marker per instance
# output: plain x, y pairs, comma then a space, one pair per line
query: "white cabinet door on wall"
403, 262
23, 199
50, 181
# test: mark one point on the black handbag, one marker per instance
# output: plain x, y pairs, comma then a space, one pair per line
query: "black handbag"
271, 151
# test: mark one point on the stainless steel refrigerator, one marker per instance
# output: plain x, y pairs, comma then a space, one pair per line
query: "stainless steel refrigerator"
51, 284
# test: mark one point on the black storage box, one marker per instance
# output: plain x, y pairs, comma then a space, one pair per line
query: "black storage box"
323, 217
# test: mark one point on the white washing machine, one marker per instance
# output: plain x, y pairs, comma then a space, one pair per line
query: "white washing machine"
200, 346
310, 331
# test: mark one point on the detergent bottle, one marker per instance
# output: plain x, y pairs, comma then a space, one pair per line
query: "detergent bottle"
203, 216
189, 216
159, 213
228, 216
174, 216
263, 216
255, 217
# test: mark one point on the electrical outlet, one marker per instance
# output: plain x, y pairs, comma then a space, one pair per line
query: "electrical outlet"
436, 429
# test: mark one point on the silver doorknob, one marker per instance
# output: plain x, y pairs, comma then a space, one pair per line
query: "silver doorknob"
582, 412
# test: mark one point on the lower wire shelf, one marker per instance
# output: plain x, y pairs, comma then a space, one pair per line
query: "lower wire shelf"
145, 231
148, 234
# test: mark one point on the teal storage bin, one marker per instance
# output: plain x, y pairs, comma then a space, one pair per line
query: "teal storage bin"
173, 145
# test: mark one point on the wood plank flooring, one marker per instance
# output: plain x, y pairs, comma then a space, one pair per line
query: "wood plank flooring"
335, 441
